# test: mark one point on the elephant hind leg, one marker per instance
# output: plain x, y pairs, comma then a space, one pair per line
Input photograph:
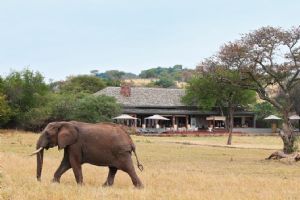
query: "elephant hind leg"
110, 177
128, 167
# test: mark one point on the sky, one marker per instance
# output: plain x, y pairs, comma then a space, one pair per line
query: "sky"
60, 38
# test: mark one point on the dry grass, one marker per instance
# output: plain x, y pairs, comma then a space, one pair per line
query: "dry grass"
172, 171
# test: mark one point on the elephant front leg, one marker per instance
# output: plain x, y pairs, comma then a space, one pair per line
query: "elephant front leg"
110, 177
75, 161
63, 167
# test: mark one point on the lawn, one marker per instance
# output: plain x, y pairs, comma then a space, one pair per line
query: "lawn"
175, 168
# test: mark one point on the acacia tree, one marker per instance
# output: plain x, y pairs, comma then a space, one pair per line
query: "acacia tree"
205, 91
296, 100
268, 61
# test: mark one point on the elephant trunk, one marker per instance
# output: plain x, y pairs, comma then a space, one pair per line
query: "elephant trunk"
40, 156
39, 161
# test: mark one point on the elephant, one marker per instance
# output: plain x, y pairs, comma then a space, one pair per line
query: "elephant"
102, 144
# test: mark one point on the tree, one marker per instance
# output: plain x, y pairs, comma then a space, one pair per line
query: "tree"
26, 93
82, 83
174, 73
262, 110
296, 100
95, 109
5, 111
207, 92
165, 82
268, 61
115, 77
62, 106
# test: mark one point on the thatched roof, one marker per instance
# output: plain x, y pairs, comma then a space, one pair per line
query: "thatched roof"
146, 97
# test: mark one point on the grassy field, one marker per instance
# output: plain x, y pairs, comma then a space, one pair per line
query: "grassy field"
175, 168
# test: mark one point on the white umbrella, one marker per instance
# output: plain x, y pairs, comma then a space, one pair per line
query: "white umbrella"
272, 117
124, 116
157, 117
295, 117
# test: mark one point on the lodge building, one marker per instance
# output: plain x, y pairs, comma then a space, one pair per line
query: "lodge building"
142, 102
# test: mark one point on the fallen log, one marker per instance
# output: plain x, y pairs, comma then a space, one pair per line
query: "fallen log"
277, 155
297, 158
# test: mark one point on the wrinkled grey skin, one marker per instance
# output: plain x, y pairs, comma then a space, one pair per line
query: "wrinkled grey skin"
102, 144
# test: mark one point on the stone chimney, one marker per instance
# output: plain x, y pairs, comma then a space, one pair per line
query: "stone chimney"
125, 90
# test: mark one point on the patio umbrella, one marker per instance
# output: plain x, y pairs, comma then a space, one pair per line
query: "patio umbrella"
294, 117
157, 117
124, 116
273, 118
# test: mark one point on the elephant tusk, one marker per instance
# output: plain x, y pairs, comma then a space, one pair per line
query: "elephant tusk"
35, 152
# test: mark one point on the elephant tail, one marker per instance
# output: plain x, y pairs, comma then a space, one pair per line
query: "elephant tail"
139, 165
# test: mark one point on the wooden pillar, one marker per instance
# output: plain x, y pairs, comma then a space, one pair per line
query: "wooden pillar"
135, 121
274, 127
186, 121
173, 121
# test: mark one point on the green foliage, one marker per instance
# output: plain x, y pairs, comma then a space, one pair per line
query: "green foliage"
25, 93
1, 85
83, 107
111, 82
62, 106
165, 82
23, 88
34, 119
82, 83
112, 74
171, 74
95, 109
151, 84
295, 98
202, 92
27, 102
161, 71
114, 77
261, 111
5, 111
207, 92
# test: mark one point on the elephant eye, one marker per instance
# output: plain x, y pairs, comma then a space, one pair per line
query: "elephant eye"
47, 134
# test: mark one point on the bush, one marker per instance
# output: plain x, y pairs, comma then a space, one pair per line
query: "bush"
62, 106
83, 83
96, 109
5, 111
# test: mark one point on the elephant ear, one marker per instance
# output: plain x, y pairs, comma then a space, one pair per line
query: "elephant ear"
67, 135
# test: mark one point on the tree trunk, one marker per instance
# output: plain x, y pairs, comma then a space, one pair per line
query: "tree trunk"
231, 110
287, 136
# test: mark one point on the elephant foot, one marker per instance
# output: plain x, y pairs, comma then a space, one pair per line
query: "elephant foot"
106, 184
80, 183
139, 186
55, 180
